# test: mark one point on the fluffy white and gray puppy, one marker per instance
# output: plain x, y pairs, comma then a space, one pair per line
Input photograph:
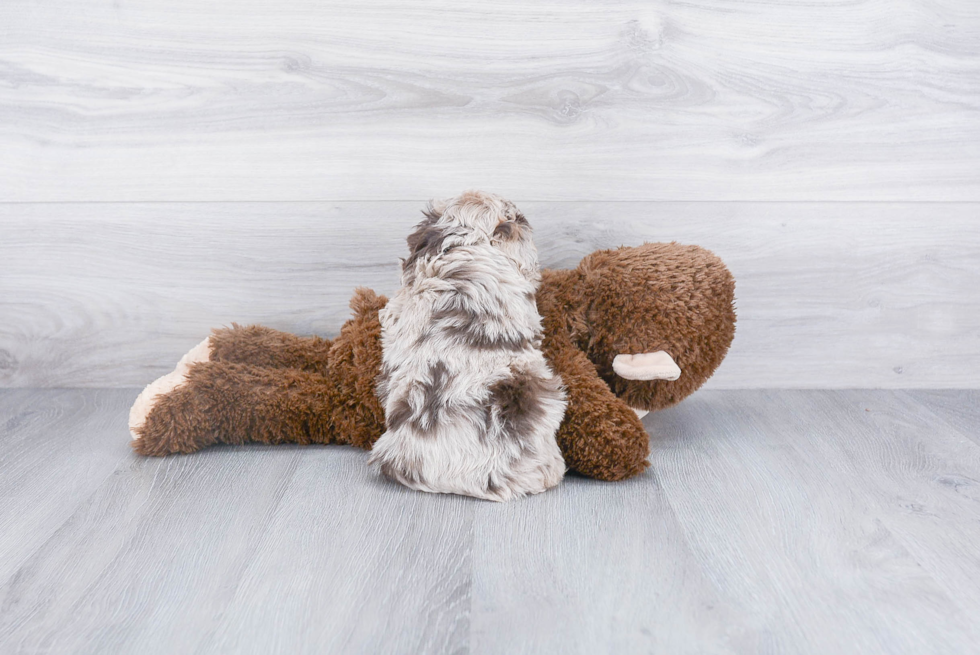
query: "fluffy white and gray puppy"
471, 406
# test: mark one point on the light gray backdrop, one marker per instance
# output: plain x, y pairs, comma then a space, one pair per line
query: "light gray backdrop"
160, 176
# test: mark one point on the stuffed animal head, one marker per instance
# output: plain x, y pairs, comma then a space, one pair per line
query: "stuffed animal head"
647, 314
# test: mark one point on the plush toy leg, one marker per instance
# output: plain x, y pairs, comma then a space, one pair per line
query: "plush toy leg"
254, 345
164, 385
221, 402
600, 437
262, 346
263, 385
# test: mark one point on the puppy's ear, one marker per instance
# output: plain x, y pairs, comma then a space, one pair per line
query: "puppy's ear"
433, 211
424, 241
513, 228
505, 231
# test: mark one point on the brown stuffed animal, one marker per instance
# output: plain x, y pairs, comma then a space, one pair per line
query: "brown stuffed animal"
629, 330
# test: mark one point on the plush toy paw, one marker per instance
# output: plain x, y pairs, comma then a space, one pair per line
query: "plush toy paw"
646, 366
164, 385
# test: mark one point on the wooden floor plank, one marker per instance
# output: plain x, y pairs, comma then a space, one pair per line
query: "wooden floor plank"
353, 563
925, 477
596, 567
158, 548
958, 408
56, 448
770, 521
791, 532
249, 549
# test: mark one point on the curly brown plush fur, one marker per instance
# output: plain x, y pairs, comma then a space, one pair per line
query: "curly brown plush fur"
271, 387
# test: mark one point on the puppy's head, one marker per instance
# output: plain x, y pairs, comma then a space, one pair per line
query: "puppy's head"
474, 218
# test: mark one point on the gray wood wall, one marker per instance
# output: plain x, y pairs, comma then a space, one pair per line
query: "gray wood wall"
167, 167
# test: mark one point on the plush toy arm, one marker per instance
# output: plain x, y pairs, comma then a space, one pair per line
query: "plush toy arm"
600, 437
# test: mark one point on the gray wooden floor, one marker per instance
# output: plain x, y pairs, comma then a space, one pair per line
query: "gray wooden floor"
769, 522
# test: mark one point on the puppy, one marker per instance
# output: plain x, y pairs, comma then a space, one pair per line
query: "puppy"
471, 406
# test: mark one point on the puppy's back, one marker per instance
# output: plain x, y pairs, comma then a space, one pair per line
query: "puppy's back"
471, 405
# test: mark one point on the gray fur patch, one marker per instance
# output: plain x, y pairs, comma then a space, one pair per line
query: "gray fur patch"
506, 231
469, 328
493, 487
401, 413
470, 274
425, 241
427, 416
517, 403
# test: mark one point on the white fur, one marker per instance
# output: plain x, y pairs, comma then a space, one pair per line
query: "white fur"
164, 385
436, 356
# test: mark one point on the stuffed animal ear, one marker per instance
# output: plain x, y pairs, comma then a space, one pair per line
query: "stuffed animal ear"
646, 366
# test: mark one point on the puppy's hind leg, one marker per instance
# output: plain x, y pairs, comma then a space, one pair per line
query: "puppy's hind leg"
526, 411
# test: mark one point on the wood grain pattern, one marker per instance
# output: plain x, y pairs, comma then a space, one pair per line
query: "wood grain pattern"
292, 550
829, 294
596, 568
354, 563
543, 100
56, 449
920, 472
803, 495
958, 409
743, 537
777, 521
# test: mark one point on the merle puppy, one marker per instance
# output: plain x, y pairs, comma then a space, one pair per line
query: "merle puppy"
471, 406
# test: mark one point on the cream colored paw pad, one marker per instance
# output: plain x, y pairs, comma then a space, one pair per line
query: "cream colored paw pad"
164, 385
